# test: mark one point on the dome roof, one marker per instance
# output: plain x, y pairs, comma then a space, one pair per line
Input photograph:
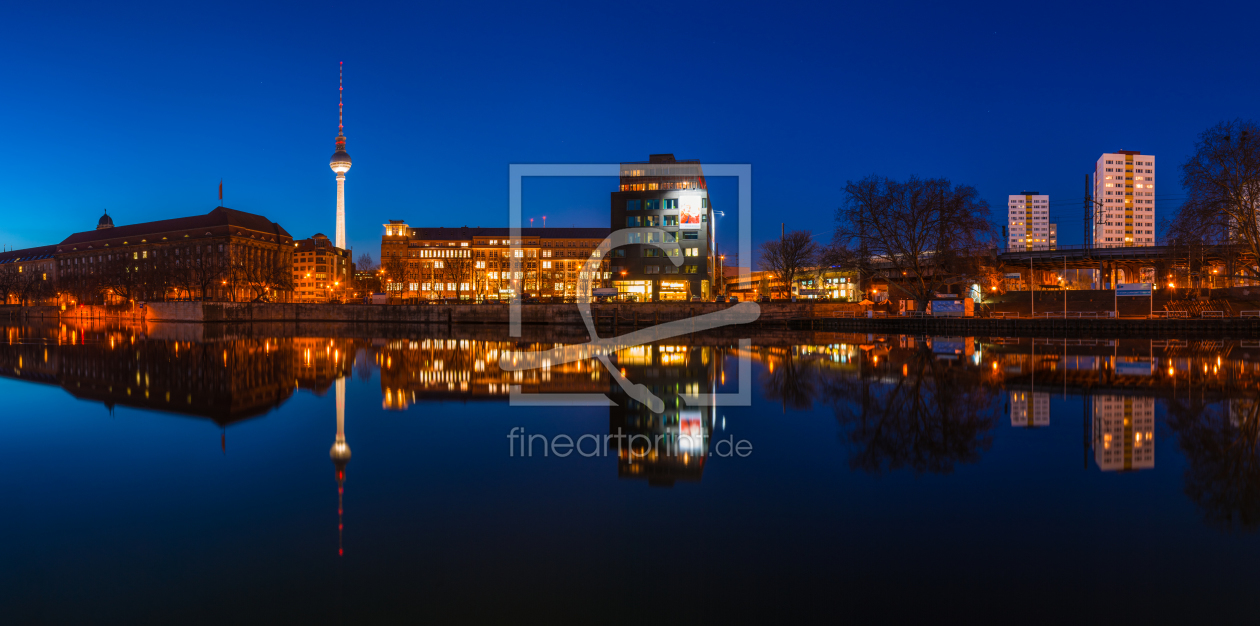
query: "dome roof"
340, 156
104, 222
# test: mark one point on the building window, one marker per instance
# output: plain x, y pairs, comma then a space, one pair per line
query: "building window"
690, 269
633, 221
634, 238
546, 264
632, 205
671, 203
670, 220
651, 269
693, 251
651, 205
691, 234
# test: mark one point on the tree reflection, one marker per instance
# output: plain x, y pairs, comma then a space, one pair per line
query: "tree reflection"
936, 414
791, 381
1222, 450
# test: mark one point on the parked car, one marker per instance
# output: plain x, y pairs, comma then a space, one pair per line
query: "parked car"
697, 299
733, 299
764, 299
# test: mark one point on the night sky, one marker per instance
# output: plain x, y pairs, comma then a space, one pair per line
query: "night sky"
142, 109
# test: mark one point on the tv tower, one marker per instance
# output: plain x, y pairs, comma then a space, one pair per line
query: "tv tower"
340, 162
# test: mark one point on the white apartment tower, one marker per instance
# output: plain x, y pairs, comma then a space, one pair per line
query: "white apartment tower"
1124, 194
1028, 221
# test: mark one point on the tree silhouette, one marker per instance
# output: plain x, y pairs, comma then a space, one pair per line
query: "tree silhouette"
1222, 449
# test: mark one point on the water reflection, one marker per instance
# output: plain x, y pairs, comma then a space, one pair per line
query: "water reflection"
923, 405
672, 445
908, 403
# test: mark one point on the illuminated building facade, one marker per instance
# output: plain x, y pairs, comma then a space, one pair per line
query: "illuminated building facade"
1124, 432
1124, 192
668, 195
482, 264
223, 255
321, 271
1028, 220
28, 275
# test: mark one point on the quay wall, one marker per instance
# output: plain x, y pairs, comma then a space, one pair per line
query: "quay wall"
645, 314
616, 319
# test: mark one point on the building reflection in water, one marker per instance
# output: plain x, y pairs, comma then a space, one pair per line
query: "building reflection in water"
414, 370
1029, 409
1123, 432
902, 402
673, 445
225, 381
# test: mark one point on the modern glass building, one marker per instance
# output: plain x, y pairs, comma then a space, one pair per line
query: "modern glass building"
670, 255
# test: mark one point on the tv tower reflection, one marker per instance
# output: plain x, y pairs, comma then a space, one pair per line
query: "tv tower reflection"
340, 454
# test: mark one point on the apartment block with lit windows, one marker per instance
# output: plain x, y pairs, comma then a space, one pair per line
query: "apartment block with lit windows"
483, 264
1124, 195
321, 271
1028, 220
671, 196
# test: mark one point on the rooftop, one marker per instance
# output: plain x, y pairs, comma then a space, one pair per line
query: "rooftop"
221, 218
444, 233
27, 254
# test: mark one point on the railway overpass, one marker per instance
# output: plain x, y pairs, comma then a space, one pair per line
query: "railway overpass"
1183, 261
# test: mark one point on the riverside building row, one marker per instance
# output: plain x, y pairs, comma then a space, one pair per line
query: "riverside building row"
223, 255
661, 205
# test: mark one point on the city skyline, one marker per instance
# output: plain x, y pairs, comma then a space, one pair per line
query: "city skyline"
438, 120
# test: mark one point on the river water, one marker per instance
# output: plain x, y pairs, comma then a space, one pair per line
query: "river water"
188, 474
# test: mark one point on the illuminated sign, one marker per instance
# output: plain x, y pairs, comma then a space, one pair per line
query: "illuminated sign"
1134, 289
689, 213
668, 284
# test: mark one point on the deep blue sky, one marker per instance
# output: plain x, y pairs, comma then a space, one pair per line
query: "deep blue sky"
142, 109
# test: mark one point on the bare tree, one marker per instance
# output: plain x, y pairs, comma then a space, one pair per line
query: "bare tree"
930, 232
9, 279
396, 271
365, 263
788, 257
1222, 183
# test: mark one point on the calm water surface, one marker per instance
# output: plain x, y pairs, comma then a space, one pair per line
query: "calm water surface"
367, 475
